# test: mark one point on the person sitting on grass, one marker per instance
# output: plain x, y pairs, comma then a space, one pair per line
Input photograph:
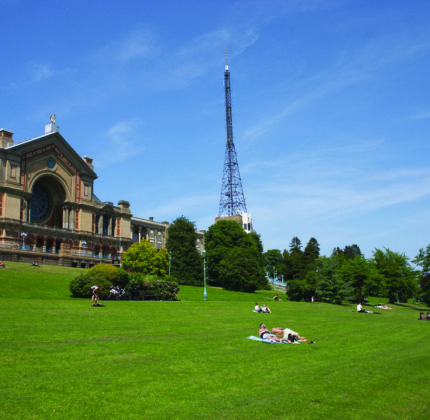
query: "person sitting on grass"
265, 309
360, 308
257, 308
264, 333
276, 297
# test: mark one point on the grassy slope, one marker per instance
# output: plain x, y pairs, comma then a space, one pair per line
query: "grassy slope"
61, 358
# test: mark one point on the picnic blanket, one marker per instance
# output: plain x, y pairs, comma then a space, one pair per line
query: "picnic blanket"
266, 340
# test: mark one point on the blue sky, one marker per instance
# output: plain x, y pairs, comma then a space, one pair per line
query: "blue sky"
331, 108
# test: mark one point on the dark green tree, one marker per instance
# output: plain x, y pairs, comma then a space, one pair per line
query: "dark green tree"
220, 239
350, 251
297, 259
399, 277
361, 276
330, 287
241, 271
272, 261
423, 261
186, 261
311, 254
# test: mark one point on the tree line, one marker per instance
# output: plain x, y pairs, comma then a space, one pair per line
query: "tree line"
347, 275
235, 261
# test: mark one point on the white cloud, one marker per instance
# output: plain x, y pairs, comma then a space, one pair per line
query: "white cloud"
39, 71
422, 116
138, 44
123, 143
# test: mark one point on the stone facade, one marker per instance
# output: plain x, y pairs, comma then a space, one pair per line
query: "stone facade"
50, 214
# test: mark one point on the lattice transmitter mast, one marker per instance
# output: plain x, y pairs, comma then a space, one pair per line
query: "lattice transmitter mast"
232, 200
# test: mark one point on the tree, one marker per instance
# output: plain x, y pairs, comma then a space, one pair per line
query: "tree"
297, 259
399, 277
311, 254
272, 261
423, 261
220, 239
143, 257
361, 275
350, 251
330, 288
240, 271
186, 261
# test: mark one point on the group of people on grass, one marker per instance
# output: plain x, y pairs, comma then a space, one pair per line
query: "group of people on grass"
263, 308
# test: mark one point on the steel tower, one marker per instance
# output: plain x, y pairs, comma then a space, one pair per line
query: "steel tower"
232, 201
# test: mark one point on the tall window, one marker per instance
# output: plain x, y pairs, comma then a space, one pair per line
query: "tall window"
105, 224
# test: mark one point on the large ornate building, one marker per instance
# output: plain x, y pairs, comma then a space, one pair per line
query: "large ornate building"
49, 212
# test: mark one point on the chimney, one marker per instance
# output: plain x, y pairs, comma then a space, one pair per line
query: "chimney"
6, 139
89, 162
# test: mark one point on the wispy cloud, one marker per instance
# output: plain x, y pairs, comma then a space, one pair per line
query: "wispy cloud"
39, 71
422, 116
123, 143
139, 43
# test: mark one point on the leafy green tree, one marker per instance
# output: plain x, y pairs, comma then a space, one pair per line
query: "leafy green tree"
330, 287
286, 266
311, 254
220, 239
293, 262
240, 270
361, 275
350, 251
259, 244
300, 268
143, 257
272, 261
423, 260
186, 261
399, 277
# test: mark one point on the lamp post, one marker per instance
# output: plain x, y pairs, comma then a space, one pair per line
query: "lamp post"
83, 244
170, 260
24, 235
205, 295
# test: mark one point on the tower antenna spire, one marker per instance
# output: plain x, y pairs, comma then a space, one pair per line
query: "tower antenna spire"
232, 201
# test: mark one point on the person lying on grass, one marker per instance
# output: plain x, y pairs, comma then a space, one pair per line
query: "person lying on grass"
381, 306
265, 309
288, 334
263, 333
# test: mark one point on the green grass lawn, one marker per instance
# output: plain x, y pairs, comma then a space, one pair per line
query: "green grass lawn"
62, 358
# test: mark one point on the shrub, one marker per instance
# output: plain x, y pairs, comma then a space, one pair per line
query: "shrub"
81, 285
105, 271
165, 289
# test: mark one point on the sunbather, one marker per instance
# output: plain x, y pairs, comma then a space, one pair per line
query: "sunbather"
265, 309
289, 334
263, 333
